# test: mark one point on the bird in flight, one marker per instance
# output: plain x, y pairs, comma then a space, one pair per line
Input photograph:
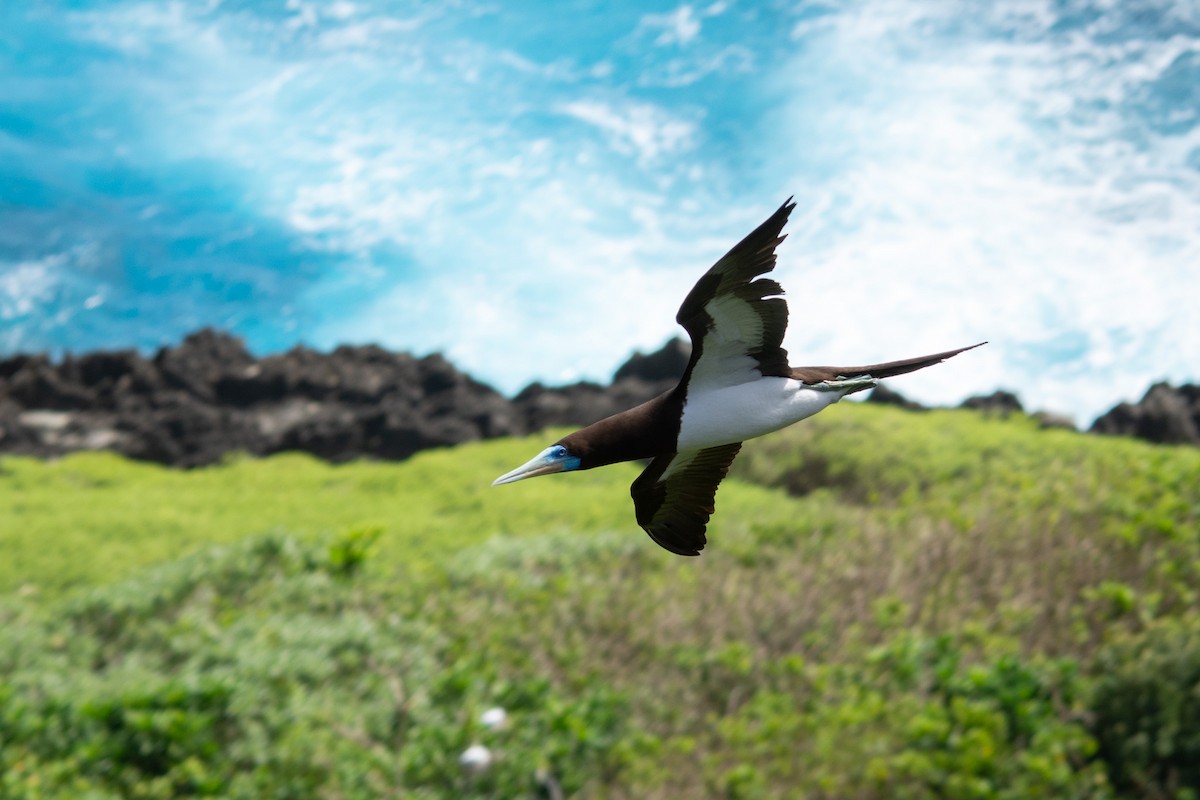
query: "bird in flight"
737, 385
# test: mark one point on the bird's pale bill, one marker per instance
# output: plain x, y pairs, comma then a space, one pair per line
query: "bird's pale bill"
553, 459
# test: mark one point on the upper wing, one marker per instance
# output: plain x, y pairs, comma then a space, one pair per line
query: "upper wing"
674, 496
888, 369
737, 323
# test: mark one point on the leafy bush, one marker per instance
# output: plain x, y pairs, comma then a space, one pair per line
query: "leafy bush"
349, 551
915, 720
1147, 712
265, 670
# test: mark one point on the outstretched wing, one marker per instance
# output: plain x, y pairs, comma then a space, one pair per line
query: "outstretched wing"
736, 319
674, 496
888, 369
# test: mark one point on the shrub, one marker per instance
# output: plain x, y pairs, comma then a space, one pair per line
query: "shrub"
269, 669
1146, 711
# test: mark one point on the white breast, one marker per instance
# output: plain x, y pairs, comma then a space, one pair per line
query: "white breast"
746, 410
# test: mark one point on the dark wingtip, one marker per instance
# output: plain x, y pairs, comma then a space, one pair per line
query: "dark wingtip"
670, 546
786, 208
963, 350
889, 369
952, 353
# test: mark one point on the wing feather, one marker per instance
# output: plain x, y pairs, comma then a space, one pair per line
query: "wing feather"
737, 323
675, 495
888, 369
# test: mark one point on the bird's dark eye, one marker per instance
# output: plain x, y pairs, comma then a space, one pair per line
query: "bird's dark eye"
560, 451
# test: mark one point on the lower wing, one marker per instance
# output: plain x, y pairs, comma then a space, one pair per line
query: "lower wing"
674, 496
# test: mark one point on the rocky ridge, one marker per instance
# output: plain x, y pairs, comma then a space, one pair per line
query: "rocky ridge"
191, 404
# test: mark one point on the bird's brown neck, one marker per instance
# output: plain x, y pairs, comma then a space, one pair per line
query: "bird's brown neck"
644, 431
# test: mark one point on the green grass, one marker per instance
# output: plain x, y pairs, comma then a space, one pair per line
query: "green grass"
892, 605
96, 517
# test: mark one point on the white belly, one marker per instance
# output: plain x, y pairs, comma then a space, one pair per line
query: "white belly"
737, 413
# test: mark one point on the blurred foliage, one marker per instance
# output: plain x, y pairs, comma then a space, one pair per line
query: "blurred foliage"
892, 605
262, 670
1147, 711
125, 515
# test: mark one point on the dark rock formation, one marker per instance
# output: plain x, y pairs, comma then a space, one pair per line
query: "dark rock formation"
665, 365
1052, 419
636, 381
889, 397
1165, 415
999, 402
190, 405
1002, 403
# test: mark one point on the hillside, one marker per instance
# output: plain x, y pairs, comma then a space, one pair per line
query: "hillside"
893, 605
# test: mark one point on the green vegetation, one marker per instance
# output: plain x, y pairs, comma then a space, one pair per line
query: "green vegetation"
892, 605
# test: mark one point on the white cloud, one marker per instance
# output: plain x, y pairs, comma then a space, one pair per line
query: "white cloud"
380, 31
994, 187
306, 15
341, 10
26, 285
41, 293
682, 72
679, 27
553, 293
639, 129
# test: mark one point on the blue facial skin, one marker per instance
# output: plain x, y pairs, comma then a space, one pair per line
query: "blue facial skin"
559, 454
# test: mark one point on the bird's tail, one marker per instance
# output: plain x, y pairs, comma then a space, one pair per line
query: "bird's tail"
873, 372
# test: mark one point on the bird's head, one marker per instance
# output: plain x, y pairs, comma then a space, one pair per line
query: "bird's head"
555, 458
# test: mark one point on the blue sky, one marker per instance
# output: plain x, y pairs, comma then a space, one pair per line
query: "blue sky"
532, 188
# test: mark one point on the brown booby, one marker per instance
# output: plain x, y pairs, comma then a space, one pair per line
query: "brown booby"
737, 385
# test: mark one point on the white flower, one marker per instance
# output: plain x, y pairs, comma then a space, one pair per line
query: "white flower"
494, 718
475, 759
